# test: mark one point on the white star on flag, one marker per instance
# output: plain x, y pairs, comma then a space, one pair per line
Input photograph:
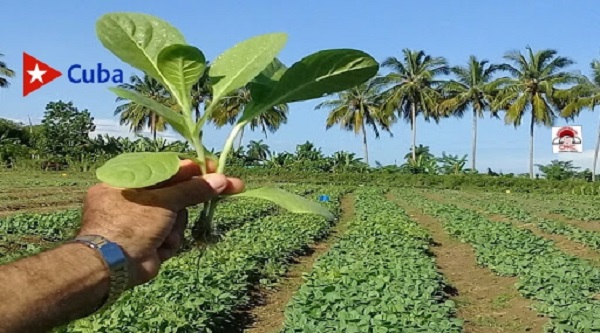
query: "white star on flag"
36, 74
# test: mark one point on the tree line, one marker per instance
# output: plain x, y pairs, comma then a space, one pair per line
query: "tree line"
535, 87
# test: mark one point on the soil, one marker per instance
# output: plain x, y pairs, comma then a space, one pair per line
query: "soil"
486, 302
40, 210
268, 315
40, 202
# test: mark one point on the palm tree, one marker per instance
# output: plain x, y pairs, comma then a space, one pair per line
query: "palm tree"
590, 91
138, 116
231, 107
535, 77
5, 73
414, 86
258, 151
357, 108
201, 93
474, 88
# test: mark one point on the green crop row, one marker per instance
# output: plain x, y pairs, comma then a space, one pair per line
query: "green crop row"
582, 208
27, 234
14, 247
510, 210
586, 214
51, 228
201, 291
379, 277
565, 286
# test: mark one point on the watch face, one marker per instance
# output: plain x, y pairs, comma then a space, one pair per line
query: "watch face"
98, 241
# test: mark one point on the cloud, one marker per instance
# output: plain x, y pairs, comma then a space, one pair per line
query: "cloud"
113, 128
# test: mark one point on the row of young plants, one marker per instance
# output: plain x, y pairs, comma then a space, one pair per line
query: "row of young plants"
57, 226
204, 290
582, 208
379, 277
585, 214
23, 235
509, 209
14, 247
578, 208
565, 287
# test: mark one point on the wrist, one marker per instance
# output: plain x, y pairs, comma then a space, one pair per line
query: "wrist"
86, 259
114, 261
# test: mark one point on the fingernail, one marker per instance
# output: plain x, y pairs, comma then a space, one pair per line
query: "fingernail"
216, 181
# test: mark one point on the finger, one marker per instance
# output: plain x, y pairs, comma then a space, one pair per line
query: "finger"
187, 170
211, 166
234, 186
175, 238
181, 223
172, 241
164, 253
192, 192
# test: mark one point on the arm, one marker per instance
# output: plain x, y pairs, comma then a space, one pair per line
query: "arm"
54, 287
72, 280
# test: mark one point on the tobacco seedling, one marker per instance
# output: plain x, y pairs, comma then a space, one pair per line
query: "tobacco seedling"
160, 50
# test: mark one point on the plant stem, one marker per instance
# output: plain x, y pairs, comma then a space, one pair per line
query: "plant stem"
200, 153
204, 222
203, 225
228, 145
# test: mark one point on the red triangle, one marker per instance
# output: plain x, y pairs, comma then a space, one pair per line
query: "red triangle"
42, 74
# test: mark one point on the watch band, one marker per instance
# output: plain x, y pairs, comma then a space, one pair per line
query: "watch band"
115, 260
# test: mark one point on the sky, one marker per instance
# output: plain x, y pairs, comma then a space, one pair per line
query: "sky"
61, 33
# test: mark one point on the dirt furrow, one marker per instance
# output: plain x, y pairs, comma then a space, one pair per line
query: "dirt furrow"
486, 302
40, 210
268, 315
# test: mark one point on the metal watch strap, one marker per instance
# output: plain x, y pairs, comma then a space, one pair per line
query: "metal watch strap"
115, 260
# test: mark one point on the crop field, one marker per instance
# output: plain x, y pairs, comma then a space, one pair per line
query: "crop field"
395, 259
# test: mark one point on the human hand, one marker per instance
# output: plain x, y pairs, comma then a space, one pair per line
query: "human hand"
149, 223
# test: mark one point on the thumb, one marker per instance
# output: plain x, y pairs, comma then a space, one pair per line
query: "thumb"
194, 191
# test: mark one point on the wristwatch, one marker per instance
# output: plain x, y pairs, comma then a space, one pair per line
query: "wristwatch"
115, 260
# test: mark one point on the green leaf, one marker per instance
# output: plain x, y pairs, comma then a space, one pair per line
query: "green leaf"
137, 170
181, 66
240, 64
293, 203
267, 79
316, 75
137, 39
174, 119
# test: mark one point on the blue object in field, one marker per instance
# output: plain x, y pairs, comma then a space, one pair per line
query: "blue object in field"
324, 198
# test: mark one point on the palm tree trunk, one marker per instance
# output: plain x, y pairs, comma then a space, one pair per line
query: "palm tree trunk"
365, 146
413, 117
474, 152
596, 155
153, 125
197, 112
241, 137
531, 146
